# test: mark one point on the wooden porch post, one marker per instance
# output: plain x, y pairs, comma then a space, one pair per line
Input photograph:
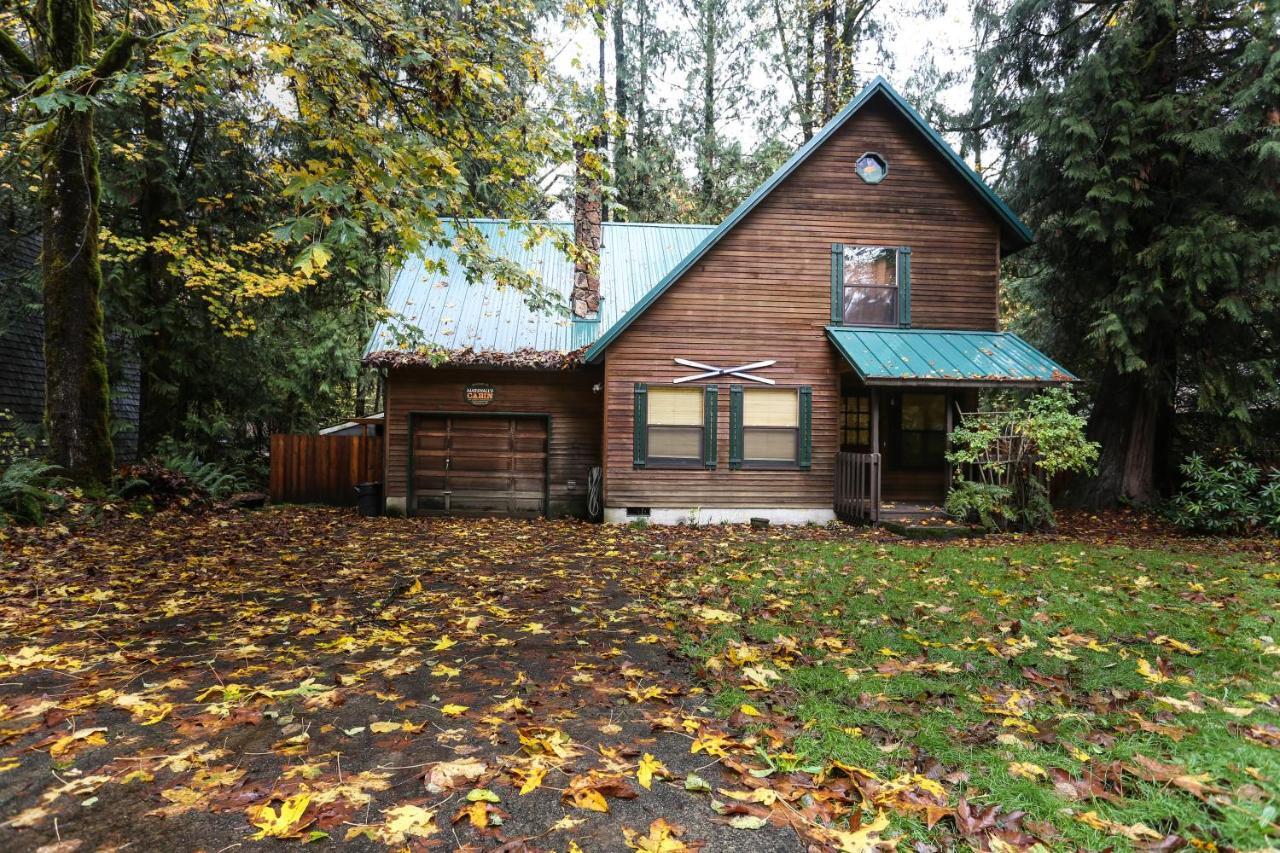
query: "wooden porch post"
875, 420
947, 443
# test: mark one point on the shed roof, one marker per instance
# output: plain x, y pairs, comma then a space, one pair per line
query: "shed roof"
944, 357
454, 314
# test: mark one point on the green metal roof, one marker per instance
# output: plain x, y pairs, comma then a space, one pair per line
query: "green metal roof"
1016, 235
453, 313
882, 356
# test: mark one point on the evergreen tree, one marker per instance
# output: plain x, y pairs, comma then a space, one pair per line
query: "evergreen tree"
1141, 141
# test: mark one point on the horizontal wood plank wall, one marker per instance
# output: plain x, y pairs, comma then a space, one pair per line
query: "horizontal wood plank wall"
764, 292
575, 410
323, 468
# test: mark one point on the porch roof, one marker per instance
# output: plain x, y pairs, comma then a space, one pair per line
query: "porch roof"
944, 357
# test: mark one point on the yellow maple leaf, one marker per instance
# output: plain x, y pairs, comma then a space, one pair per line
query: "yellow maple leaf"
405, 822
1027, 770
444, 643
649, 767
711, 744
589, 798
478, 814
661, 839
282, 825
452, 710
533, 776
1150, 673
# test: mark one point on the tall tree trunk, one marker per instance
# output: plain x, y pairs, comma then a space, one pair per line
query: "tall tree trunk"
828, 60
1126, 422
161, 407
77, 399
621, 102
706, 169
810, 74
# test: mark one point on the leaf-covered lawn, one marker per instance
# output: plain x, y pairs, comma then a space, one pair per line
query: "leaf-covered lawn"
201, 682
196, 682
1053, 692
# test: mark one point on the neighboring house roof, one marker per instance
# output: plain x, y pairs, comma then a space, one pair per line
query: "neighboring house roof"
454, 314
1015, 234
933, 356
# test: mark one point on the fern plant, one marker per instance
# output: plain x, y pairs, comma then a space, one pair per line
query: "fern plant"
26, 491
215, 479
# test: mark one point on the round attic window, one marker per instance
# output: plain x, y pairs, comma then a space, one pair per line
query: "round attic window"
872, 168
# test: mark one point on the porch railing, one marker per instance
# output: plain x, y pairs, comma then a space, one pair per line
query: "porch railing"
857, 495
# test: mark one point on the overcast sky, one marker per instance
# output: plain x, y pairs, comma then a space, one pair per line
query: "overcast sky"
947, 38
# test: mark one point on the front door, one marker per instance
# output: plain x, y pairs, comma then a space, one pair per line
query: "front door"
914, 442
480, 465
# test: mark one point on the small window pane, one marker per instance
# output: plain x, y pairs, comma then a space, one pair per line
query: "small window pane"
780, 408
926, 412
670, 442
870, 266
870, 306
675, 406
769, 445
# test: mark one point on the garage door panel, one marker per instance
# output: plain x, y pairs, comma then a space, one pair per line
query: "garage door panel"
464, 442
480, 465
473, 461
529, 464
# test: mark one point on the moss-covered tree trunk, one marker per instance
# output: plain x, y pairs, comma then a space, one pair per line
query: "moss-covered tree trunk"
76, 392
77, 402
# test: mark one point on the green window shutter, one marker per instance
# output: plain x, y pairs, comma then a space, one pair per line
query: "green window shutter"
904, 287
735, 426
710, 438
806, 427
837, 284
640, 423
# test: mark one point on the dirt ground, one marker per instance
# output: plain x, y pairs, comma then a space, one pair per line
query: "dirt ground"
190, 683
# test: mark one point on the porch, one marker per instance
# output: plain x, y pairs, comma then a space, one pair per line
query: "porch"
902, 393
891, 463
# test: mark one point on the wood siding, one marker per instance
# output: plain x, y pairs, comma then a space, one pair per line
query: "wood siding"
764, 292
323, 468
566, 396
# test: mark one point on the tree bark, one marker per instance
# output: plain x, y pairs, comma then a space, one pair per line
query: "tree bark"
1126, 421
828, 60
77, 399
621, 103
709, 26
161, 407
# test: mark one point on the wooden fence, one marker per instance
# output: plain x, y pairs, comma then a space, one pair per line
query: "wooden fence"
323, 468
857, 496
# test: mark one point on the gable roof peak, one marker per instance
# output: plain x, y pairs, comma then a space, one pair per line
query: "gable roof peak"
1015, 235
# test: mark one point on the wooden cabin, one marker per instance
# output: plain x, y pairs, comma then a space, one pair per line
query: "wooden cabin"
809, 353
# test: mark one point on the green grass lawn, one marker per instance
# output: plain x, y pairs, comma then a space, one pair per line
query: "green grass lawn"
1116, 696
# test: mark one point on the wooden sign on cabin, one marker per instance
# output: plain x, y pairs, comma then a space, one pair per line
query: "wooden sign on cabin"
479, 394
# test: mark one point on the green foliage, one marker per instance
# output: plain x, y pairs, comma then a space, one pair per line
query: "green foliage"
26, 491
1140, 140
217, 478
988, 503
1004, 460
1233, 497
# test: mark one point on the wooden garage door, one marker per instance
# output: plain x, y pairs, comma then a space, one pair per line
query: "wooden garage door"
479, 465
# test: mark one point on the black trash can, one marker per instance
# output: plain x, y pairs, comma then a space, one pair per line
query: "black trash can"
369, 498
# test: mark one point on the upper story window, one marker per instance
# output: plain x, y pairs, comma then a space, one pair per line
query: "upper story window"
872, 168
870, 286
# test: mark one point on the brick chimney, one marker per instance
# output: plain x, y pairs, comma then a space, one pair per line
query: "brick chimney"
588, 202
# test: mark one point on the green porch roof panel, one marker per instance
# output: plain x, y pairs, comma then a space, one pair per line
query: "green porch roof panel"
886, 356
